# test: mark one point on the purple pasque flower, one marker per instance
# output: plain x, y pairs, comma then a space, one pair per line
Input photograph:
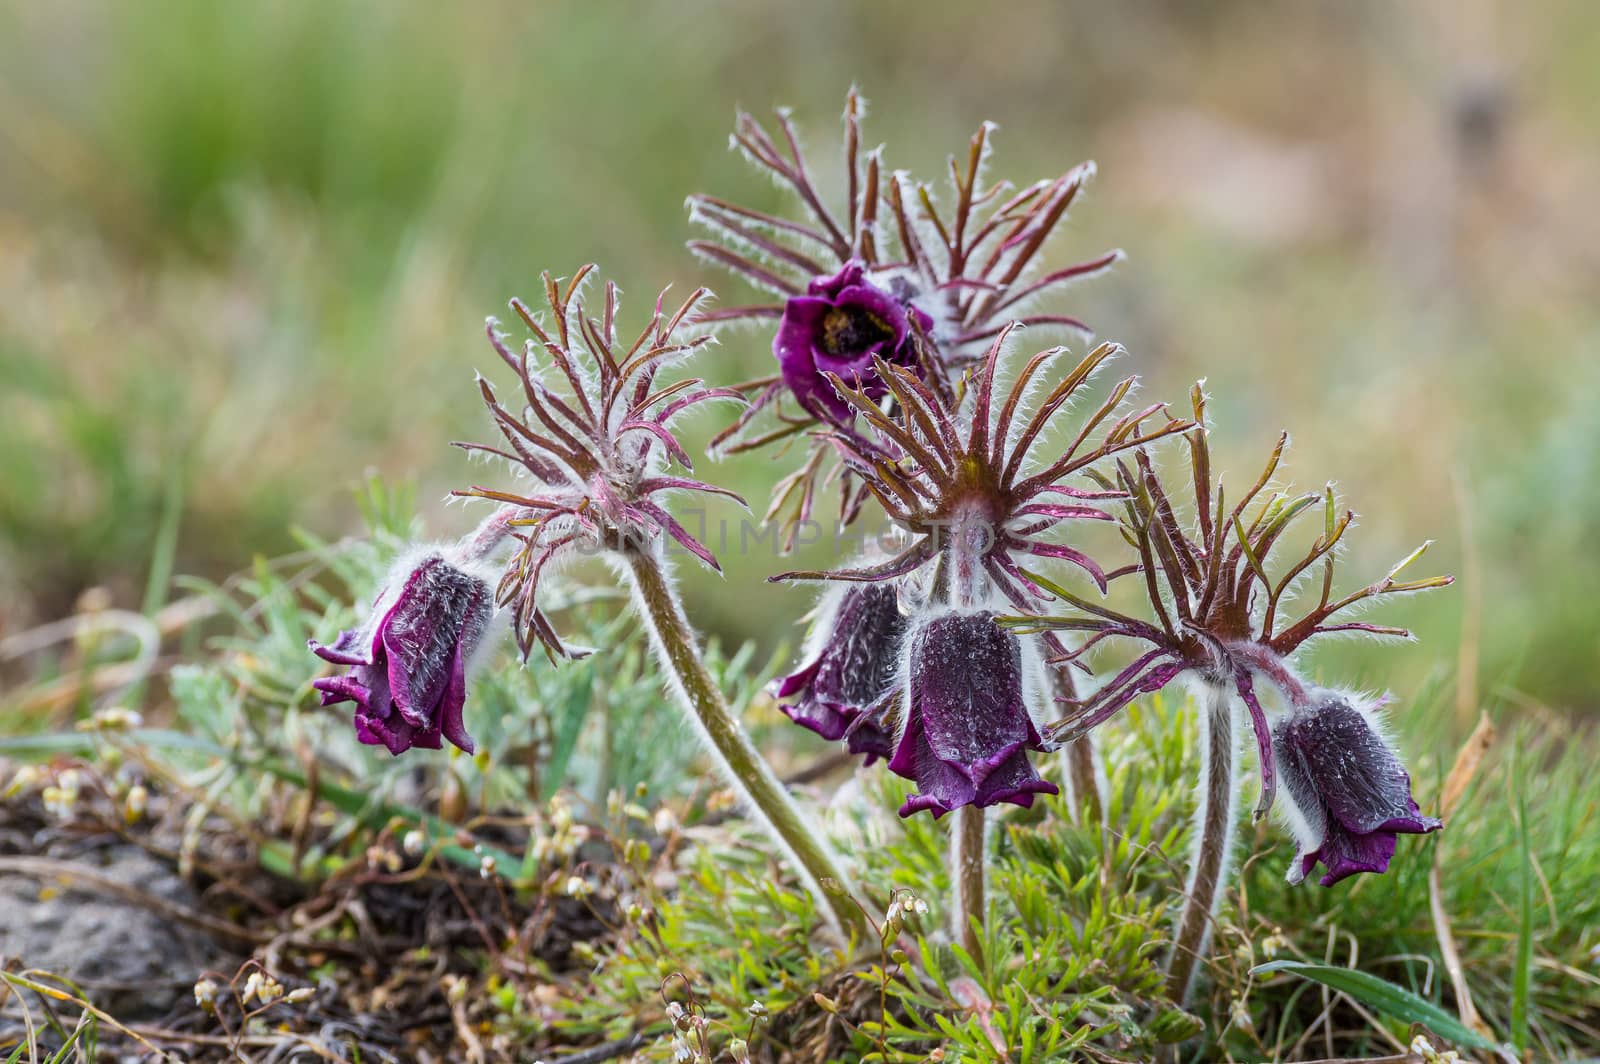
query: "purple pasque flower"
971, 481
963, 262
967, 729
837, 329
1348, 795
1221, 602
593, 462
408, 662
851, 667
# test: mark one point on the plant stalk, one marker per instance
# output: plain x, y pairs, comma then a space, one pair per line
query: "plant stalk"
1215, 820
968, 867
742, 765
1078, 762
1084, 781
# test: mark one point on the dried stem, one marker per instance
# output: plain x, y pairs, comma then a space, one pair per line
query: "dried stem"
1218, 812
742, 765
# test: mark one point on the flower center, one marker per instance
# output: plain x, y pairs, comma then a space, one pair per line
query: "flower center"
851, 330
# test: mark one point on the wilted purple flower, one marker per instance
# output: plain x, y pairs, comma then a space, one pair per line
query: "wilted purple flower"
838, 327
1348, 794
967, 729
408, 662
853, 665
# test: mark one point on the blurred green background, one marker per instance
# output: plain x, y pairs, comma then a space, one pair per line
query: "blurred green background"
246, 251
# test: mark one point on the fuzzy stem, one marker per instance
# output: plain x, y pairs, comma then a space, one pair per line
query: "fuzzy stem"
741, 764
1215, 819
1084, 780
968, 868
1077, 758
490, 533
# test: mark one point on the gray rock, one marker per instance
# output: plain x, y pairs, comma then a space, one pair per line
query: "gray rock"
132, 961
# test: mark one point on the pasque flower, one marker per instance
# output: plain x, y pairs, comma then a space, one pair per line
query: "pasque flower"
1348, 795
1218, 610
1224, 612
973, 486
963, 483
957, 265
850, 669
593, 463
967, 728
408, 662
836, 329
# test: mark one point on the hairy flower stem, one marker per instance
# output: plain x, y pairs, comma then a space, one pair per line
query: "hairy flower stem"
968, 851
1084, 781
491, 532
1077, 758
741, 764
1218, 812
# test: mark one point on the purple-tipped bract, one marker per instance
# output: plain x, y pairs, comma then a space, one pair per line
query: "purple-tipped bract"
967, 730
408, 662
1351, 794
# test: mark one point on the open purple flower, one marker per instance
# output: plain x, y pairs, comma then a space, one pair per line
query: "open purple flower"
1349, 795
967, 730
408, 663
838, 327
852, 666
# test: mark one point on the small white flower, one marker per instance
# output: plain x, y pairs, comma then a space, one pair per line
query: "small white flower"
205, 994
117, 718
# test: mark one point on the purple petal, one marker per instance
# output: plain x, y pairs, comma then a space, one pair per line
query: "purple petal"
967, 730
343, 651
838, 694
1349, 787
451, 724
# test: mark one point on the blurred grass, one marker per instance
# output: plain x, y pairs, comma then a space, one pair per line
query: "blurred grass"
246, 251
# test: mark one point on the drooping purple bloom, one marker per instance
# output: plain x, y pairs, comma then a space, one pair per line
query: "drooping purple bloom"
837, 327
853, 666
408, 663
1350, 795
967, 729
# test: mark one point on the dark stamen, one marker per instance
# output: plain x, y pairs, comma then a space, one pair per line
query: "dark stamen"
852, 330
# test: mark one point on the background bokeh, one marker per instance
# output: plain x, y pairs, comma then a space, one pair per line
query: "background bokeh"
246, 251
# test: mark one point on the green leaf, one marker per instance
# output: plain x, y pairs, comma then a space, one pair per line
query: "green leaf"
566, 726
1385, 997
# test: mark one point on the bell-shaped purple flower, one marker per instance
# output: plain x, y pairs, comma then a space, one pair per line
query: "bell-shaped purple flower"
408, 662
1349, 796
838, 327
852, 665
967, 728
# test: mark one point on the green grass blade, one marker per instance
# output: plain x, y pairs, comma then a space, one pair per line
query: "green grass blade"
1385, 997
1522, 976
